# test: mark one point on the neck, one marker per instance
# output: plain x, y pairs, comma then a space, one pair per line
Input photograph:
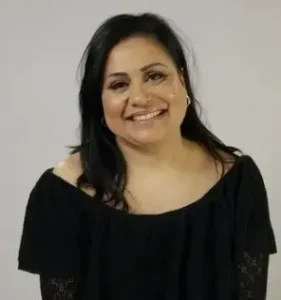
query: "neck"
172, 154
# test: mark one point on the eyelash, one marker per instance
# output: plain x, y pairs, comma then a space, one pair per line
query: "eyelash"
160, 77
157, 74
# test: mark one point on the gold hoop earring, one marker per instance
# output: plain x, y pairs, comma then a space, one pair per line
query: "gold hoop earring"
188, 100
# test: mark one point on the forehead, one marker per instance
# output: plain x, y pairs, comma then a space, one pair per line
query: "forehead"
134, 53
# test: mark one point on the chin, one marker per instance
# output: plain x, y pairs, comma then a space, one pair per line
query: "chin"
146, 138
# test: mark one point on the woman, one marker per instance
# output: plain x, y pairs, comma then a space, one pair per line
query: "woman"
150, 205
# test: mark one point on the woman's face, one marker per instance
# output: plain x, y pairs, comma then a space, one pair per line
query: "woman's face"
143, 96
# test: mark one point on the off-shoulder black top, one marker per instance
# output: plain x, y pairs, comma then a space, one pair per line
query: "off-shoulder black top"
216, 248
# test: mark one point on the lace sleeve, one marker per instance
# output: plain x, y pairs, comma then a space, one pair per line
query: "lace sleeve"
252, 277
58, 289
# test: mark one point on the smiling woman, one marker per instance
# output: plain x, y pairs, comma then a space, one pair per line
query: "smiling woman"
144, 98
150, 204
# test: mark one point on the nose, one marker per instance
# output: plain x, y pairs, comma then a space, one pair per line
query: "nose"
138, 97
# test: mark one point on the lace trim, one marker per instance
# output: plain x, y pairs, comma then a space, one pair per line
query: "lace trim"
253, 276
58, 288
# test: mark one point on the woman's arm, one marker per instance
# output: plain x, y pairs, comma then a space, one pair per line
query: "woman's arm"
252, 276
51, 241
255, 240
53, 288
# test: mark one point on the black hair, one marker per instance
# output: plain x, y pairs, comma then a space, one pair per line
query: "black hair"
104, 166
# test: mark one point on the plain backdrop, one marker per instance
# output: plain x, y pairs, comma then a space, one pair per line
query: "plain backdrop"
237, 77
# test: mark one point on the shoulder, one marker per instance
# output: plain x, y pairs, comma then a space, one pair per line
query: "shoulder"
54, 187
250, 169
52, 223
220, 165
244, 163
226, 163
52, 198
254, 229
69, 169
239, 173
250, 186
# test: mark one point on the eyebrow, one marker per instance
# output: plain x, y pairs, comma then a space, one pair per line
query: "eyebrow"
143, 69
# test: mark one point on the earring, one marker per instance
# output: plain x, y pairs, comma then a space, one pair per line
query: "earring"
188, 100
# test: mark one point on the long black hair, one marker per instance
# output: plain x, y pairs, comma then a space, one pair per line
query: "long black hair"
104, 166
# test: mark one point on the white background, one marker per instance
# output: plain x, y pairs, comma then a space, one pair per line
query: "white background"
237, 45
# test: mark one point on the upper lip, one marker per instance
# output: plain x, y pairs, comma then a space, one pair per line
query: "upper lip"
144, 112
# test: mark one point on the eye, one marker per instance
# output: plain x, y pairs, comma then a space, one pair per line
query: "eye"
155, 77
118, 85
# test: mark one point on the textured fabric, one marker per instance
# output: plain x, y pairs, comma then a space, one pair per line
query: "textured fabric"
252, 274
216, 248
58, 288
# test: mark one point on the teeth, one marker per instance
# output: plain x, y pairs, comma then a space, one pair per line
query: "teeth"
147, 116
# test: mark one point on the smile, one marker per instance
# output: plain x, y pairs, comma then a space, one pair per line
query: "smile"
148, 116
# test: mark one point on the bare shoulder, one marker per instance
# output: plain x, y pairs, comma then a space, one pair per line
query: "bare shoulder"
219, 166
69, 169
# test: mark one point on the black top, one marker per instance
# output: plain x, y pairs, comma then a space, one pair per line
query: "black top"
216, 248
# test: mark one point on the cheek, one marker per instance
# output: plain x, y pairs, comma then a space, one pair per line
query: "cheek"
173, 92
112, 108
113, 111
